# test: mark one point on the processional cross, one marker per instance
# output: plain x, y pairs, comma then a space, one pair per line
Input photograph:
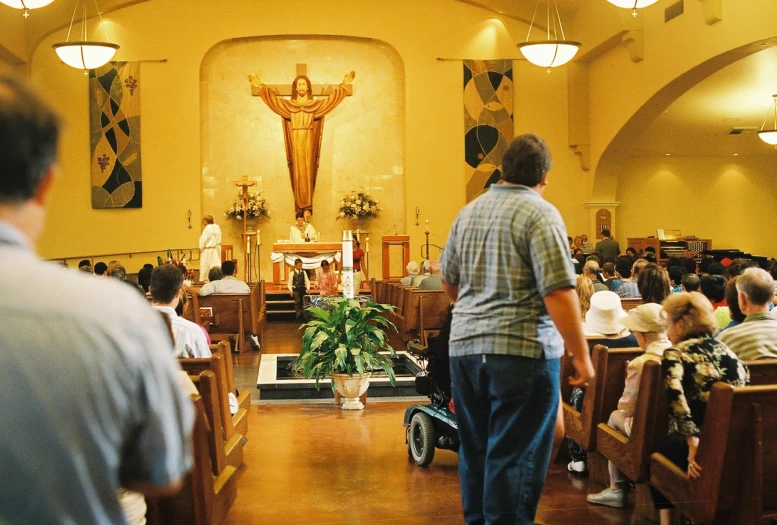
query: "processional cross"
303, 124
244, 184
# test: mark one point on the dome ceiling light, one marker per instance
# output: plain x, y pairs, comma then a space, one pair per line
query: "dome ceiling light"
26, 5
770, 135
85, 54
632, 4
552, 52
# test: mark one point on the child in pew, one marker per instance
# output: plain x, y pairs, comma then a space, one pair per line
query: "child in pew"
649, 328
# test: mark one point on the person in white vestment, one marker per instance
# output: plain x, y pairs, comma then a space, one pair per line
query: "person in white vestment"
210, 247
302, 231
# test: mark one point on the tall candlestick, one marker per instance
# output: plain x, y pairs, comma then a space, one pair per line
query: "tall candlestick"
367, 249
427, 225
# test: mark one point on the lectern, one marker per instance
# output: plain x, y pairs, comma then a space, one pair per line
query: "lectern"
395, 240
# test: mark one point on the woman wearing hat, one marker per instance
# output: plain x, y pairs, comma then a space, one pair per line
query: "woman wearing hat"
602, 326
690, 367
649, 328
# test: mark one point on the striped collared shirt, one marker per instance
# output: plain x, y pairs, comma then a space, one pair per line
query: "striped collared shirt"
506, 250
755, 338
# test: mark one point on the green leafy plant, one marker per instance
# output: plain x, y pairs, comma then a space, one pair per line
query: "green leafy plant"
348, 339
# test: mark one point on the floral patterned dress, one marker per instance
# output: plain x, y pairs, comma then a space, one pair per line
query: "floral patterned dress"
690, 369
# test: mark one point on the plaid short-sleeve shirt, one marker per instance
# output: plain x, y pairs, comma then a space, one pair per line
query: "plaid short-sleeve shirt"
506, 250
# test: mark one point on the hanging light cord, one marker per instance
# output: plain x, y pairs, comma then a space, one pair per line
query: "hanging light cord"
100, 15
72, 21
83, 21
774, 106
555, 21
532, 20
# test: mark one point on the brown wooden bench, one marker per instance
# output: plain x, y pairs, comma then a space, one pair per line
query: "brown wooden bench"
233, 314
601, 395
630, 303
738, 483
763, 371
233, 439
209, 490
421, 310
244, 398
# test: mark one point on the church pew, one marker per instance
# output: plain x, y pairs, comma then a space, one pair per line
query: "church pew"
231, 425
244, 399
632, 454
738, 483
234, 314
206, 497
423, 310
601, 395
762, 371
630, 303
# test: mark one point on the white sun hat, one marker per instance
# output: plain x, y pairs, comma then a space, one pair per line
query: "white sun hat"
605, 315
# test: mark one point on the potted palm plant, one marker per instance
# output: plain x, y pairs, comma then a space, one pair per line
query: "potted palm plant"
345, 344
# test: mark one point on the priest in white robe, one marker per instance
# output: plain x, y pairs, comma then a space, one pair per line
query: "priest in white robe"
302, 231
210, 247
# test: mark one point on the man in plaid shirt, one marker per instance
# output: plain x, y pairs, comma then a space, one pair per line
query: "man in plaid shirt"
507, 266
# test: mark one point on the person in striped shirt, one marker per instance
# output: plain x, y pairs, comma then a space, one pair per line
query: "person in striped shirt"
756, 337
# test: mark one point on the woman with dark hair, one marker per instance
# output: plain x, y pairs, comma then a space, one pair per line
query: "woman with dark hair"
690, 367
631, 252
714, 288
653, 284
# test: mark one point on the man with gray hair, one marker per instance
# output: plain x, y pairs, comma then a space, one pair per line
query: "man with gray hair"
756, 337
591, 270
506, 264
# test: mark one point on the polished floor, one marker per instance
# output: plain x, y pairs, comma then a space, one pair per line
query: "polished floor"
316, 464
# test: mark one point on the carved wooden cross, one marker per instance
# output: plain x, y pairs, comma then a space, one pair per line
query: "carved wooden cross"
319, 90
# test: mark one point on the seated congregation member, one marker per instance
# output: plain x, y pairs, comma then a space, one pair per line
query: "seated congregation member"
629, 288
714, 288
144, 276
432, 282
215, 274
327, 280
591, 270
732, 300
412, 271
715, 268
756, 337
608, 274
228, 284
165, 287
84, 263
602, 326
97, 405
653, 284
704, 266
648, 326
631, 253
302, 231
100, 268
607, 247
676, 278
690, 282
689, 263
426, 271
690, 367
622, 272
585, 289
298, 285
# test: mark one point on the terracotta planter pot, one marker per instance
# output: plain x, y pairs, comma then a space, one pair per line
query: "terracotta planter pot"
351, 389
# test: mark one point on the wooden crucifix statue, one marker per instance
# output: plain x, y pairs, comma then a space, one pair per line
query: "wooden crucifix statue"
303, 124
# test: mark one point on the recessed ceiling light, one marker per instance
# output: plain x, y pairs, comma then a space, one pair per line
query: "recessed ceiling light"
668, 154
736, 154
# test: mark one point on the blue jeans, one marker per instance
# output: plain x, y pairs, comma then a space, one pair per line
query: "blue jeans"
506, 413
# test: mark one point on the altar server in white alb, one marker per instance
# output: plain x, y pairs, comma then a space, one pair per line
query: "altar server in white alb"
210, 247
302, 231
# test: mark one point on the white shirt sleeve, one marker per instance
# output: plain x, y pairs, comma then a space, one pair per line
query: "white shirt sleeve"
295, 235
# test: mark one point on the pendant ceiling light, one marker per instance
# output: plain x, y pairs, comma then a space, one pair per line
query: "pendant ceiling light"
26, 5
551, 52
633, 4
770, 135
85, 54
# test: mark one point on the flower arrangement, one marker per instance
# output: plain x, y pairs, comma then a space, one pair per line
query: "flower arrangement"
257, 207
181, 265
359, 206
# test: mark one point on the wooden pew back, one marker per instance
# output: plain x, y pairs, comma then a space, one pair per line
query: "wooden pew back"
763, 371
601, 395
738, 484
630, 303
209, 392
214, 364
235, 314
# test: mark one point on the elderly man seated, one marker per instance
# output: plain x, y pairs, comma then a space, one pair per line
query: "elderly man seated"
228, 284
413, 270
756, 337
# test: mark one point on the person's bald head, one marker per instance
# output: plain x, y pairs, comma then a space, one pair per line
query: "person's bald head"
755, 289
591, 269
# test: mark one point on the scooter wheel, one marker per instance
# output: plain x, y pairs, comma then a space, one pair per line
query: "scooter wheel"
421, 439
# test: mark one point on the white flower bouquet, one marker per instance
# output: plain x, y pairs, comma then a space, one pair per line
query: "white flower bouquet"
359, 206
256, 209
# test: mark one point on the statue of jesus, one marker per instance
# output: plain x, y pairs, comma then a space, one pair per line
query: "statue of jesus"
303, 126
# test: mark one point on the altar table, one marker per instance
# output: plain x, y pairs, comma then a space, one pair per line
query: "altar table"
284, 253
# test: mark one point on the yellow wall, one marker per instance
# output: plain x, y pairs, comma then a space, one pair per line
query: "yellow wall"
184, 30
13, 35
729, 200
